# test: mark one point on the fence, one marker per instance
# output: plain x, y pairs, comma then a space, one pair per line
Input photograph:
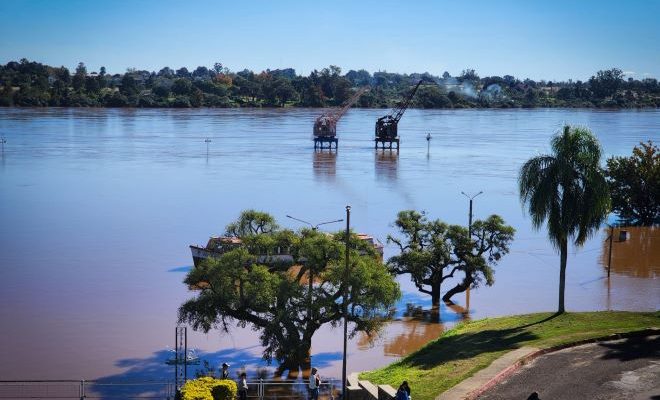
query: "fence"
165, 390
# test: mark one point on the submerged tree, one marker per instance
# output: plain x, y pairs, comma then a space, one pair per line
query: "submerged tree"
566, 189
635, 185
265, 284
433, 251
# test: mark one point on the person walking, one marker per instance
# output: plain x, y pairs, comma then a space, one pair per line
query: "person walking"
224, 373
243, 387
314, 384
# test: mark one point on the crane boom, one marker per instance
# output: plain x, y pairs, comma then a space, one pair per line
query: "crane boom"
326, 124
387, 126
398, 112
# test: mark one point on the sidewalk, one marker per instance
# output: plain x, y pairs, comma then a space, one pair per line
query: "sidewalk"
488, 376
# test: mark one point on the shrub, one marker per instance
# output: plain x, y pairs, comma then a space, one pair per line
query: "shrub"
208, 388
225, 390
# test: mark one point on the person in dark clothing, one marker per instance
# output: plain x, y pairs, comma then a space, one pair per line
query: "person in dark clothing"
403, 393
224, 373
406, 388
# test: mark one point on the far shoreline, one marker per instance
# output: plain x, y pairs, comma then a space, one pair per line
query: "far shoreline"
325, 108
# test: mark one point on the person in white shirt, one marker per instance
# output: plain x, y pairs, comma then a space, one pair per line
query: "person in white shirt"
314, 383
243, 387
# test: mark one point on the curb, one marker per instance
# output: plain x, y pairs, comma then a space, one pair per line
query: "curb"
516, 365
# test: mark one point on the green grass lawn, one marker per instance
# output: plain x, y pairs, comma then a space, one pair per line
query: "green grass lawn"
472, 346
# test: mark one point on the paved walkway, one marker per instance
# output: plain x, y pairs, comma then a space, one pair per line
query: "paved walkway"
621, 369
484, 376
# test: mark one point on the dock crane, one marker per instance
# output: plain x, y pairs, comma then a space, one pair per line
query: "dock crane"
386, 127
325, 126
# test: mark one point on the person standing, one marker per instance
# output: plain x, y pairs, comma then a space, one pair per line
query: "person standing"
314, 384
243, 387
406, 388
224, 373
403, 393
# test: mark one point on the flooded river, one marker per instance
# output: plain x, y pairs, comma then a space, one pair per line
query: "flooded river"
98, 207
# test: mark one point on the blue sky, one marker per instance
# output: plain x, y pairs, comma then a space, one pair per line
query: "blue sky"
552, 40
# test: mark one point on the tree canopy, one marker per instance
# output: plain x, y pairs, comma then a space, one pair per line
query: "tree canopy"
432, 251
29, 83
635, 185
249, 285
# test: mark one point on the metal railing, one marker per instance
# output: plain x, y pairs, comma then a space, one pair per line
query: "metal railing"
82, 389
280, 389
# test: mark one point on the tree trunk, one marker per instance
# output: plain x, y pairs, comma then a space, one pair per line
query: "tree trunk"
459, 288
294, 367
435, 294
296, 360
562, 274
434, 314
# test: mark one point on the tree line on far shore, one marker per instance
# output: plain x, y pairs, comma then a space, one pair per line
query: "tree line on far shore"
32, 84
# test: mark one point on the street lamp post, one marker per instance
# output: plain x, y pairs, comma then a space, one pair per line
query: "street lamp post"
622, 238
467, 293
609, 259
345, 303
470, 213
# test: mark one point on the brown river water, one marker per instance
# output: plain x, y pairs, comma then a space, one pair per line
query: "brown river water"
98, 207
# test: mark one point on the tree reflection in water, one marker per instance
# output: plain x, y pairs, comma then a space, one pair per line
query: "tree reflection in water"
638, 256
418, 325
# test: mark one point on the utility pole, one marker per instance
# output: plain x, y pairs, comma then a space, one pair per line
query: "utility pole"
311, 273
345, 303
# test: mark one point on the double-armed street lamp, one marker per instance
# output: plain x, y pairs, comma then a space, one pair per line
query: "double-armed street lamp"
345, 303
345, 284
314, 227
470, 213
467, 293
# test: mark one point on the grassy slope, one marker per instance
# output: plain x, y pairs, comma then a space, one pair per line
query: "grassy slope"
469, 347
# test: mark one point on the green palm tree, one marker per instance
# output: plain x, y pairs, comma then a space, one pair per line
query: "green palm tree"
566, 189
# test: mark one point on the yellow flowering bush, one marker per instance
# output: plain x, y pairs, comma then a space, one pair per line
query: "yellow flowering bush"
208, 388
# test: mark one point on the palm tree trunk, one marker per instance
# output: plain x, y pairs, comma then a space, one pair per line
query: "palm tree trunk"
562, 274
